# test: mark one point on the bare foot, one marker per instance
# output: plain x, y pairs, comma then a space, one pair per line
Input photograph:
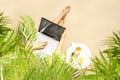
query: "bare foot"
62, 15
65, 12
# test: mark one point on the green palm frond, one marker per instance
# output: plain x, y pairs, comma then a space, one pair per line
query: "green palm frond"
3, 23
5, 47
8, 37
114, 45
51, 69
105, 68
18, 66
27, 31
7, 43
15, 50
5, 35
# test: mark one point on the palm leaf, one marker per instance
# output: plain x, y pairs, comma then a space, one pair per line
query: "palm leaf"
16, 47
5, 34
104, 68
27, 30
51, 69
3, 23
113, 45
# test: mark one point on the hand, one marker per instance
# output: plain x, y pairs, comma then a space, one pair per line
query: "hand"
39, 45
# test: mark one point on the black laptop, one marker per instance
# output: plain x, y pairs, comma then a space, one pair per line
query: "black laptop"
51, 29
50, 32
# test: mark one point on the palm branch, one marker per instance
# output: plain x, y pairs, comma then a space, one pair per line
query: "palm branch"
106, 67
114, 45
16, 48
51, 69
3, 23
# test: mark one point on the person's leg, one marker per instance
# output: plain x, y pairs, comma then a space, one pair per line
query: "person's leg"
60, 21
62, 15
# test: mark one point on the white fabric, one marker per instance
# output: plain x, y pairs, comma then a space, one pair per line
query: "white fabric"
51, 44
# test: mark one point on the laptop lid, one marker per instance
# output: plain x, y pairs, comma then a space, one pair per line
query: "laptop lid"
51, 29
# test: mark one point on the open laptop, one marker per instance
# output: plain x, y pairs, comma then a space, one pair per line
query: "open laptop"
50, 32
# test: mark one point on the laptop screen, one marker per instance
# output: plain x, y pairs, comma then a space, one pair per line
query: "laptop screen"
51, 29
